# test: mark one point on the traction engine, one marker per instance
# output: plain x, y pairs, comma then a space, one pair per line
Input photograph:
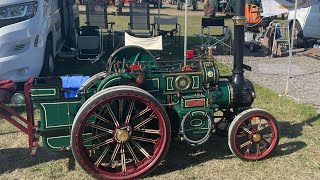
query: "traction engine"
120, 124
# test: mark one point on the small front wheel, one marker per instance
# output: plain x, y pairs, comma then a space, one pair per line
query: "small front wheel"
253, 135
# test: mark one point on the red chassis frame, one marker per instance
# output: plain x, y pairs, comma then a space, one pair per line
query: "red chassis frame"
27, 126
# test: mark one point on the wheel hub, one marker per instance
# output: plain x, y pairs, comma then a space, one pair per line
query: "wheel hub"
256, 137
122, 135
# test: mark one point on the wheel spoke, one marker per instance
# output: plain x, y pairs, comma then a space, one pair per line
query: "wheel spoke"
98, 162
141, 149
241, 135
123, 159
102, 109
152, 116
95, 137
258, 149
245, 144
248, 148
114, 154
112, 115
265, 142
262, 127
147, 109
97, 146
143, 139
130, 111
271, 135
100, 128
102, 119
150, 131
246, 129
132, 153
259, 124
120, 109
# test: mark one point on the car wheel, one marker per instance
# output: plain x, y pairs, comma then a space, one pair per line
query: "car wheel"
48, 67
298, 35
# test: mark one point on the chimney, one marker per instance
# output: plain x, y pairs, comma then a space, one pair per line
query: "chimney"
239, 23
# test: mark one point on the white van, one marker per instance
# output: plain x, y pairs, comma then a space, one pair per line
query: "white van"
307, 24
32, 33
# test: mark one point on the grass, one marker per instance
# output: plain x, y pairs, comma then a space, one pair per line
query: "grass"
297, 156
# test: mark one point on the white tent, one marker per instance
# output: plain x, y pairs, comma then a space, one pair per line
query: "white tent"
275, 7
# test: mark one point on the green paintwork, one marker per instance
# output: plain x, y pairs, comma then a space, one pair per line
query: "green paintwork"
196, 125
59, 143
181, 91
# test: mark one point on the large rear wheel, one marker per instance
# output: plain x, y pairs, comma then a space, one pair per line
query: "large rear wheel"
253, 135
120, 133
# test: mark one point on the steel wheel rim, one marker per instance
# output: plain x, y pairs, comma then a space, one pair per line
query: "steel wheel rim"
134, 169
244, 148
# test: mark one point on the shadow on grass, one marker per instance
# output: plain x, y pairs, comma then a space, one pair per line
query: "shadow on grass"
17, 158
181, 155
289, 148
294, 130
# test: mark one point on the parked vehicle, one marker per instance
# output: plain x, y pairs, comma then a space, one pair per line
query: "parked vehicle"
307, 25
32, 33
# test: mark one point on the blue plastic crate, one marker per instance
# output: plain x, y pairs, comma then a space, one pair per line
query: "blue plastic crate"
72, 84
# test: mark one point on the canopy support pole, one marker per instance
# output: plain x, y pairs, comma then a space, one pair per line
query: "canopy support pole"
291, 47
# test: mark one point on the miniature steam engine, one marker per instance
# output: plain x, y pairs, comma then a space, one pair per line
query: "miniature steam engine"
120, 124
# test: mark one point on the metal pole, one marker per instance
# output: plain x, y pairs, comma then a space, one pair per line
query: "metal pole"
291, 46
185, 32
159, 7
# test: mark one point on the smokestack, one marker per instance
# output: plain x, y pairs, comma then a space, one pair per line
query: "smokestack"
239, 23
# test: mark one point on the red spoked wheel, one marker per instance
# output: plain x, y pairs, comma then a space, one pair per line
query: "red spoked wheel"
120, 133
253, 135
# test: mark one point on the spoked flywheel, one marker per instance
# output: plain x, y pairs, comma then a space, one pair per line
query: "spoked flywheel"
253, 135
120, 133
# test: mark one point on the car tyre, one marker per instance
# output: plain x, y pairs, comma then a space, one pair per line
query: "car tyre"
48, 67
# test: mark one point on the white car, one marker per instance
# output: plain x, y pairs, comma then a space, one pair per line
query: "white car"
307, 24
32, 33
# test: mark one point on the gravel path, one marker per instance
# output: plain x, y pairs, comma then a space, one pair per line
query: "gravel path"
304, 83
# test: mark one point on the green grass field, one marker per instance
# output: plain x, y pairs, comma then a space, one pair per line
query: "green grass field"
296, 157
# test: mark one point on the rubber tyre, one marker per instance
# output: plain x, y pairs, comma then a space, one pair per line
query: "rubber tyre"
235, 126
298, 40
48, 67
105, 94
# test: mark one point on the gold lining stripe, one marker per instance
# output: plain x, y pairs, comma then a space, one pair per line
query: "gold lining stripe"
41, 95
